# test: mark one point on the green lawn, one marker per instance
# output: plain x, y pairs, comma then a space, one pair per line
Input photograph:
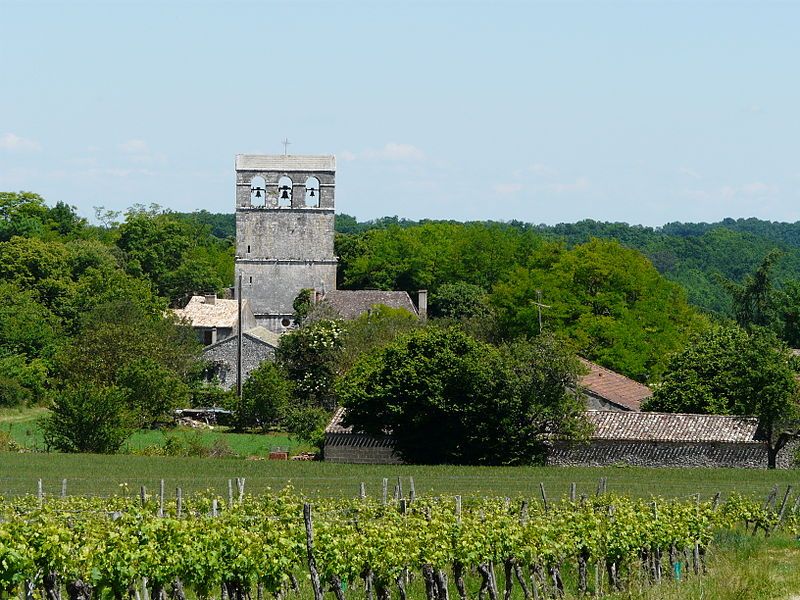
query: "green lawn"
23, 426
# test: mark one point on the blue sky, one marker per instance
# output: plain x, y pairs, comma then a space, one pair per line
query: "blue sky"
543, 112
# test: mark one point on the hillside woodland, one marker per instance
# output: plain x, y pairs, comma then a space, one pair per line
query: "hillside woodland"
84, 320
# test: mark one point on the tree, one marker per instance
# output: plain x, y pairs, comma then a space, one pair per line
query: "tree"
727, 370
448, 398
754, 300
265, 397
152, 391
117, 334
460, 300
309, 357
372, 330
87, 418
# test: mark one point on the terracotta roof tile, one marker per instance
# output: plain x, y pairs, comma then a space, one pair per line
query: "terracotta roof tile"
613, 387
672, 427
335, 426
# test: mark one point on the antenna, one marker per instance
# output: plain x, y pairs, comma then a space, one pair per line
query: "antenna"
539, 307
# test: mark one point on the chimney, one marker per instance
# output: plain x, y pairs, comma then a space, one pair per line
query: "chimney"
211, 298
422, 304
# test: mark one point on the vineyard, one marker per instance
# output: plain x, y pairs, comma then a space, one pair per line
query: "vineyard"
141, 547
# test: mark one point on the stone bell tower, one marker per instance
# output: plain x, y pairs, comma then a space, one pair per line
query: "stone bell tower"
284, 231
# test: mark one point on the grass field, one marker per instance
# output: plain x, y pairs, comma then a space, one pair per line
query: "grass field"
102, 475
23, 426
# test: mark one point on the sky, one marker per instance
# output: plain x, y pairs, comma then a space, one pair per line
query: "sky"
543, 112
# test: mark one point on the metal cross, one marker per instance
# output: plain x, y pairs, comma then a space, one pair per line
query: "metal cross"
285, 143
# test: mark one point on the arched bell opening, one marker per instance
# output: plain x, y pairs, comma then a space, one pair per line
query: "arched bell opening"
258, 191
285, 191
312, 192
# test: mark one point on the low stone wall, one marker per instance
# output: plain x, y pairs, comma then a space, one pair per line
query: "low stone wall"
664, 454
359, 449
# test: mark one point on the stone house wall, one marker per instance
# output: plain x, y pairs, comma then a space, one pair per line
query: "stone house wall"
665, 454
223, 356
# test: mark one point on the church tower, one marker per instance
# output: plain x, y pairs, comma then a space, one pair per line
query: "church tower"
284, 231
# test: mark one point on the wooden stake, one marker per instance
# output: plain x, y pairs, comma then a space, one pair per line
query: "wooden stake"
240, 485
178, 502
161, 500
63, 488
362, 491
385, 490
230, 493
142, 495
458, 509
412, 493
40, 493
572, 491
312, 565
544, 495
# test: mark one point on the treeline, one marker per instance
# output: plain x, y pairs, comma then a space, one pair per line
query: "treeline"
698, 256
83, 316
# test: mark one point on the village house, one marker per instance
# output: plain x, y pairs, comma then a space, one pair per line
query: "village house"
215, 319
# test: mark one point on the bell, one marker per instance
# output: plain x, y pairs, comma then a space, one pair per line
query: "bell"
258, 192
311, 192
285, 193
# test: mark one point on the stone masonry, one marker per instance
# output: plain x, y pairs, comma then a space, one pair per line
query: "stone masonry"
284, 244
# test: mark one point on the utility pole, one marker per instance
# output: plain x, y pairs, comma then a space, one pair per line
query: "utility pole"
239, 344
539, 307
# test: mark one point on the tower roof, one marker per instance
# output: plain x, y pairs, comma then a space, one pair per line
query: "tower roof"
280, 162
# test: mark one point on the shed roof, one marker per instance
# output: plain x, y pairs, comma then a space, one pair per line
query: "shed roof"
673, 427
265, 335
352, 303
647, 427
279, 162
613, 387
221, 313
335, 426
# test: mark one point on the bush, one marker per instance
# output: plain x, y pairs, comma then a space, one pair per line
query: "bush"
265, 396
88, 419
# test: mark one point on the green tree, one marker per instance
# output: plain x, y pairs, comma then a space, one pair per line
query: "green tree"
118, 334
309, 357
266, 395
460, 300
152, 391
88, 418
754, 299
371, 331
727, 370
448, 398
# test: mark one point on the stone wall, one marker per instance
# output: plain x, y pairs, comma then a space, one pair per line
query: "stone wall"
359, 449
664, 454
223, 355
272, 286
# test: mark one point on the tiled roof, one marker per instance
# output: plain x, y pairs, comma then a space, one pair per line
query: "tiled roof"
672, 427
265, 335
222, 313
352, 303
279, 162
335, 426
647, 427
613, 387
